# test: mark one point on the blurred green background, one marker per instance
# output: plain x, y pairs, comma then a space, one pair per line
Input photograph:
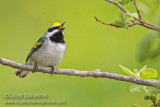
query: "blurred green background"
90, 46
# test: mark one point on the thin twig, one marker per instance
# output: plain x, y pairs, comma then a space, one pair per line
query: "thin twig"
147, 26
118, 5
134, 23
141, 22
106, 23
95, 73
139, 14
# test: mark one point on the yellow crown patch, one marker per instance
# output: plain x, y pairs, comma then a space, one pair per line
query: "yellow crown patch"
56, 24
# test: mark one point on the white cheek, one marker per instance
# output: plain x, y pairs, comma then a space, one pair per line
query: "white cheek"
49, 34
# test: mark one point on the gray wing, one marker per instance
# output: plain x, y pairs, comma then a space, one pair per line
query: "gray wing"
36, 47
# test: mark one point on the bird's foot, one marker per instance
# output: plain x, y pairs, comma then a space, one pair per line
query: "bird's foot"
35, 68
52, 70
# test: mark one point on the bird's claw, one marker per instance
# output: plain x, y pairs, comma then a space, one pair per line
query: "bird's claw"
35, 68
52, 70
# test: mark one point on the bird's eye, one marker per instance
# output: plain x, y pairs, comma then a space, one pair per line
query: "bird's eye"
50, 30
55, 27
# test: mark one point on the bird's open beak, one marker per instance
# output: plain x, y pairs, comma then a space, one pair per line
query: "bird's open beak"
61, 28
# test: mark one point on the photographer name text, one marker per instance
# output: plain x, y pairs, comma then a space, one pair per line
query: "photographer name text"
25, 95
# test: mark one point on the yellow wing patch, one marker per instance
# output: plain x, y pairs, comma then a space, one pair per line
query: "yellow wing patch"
56, 24
37, 44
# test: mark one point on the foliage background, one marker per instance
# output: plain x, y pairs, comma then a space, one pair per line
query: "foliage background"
90, 45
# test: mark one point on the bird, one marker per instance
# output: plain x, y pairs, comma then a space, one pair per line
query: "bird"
48, 51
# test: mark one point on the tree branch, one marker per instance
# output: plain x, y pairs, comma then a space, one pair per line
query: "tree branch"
95, 73
141, 22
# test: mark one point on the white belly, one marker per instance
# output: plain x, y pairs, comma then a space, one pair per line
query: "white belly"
49, 54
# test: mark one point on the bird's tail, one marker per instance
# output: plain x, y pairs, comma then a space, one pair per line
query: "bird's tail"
21, 73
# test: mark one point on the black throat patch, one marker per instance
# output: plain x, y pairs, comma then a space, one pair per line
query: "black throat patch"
57, 37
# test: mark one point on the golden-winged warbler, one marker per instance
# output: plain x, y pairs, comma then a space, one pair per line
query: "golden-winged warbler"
48, 50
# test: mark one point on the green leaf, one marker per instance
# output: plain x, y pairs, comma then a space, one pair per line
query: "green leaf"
135, 105
129, 16
152, 98
136, 88
127, 71
134, 14
124, 19
148, 73
123, 2
146, 97
128, 22
136, 72
126, 26
118, 22
145, 67
121, 15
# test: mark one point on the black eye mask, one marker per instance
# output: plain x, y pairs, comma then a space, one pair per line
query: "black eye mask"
52, 29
